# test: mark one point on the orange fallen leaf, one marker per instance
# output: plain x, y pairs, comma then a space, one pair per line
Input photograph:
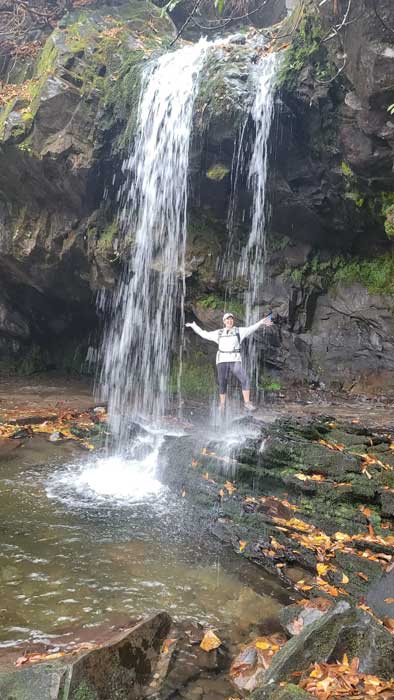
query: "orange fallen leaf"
345, 579
389, 600
389, 623
360, 574
167, 644
230, 487
210, 641
242, 545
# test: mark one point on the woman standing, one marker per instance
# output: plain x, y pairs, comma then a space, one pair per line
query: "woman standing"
228, 356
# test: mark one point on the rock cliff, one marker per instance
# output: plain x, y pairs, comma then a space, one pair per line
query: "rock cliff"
66, 121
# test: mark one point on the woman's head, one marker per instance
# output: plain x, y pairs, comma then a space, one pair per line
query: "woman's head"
228, 320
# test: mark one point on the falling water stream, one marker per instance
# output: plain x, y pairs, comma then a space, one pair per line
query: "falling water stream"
153, 209
248, 263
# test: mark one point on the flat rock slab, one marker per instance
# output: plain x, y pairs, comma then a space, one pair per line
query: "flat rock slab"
120, 669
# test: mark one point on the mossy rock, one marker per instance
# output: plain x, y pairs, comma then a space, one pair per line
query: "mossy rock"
275, 692
93, 53
127, 661
341, 630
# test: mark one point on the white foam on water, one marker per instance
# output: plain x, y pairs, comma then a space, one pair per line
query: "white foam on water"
121, 478
116, 478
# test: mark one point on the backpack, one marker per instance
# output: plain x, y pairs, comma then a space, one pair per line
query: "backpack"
231, 352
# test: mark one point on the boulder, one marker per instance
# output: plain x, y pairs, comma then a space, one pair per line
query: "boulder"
120, 669
341, 630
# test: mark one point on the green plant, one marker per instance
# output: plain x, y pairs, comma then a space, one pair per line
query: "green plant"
212, 301
268, 384
376, 275
347, 172
197, 378
390, 109
217, 172
306, 48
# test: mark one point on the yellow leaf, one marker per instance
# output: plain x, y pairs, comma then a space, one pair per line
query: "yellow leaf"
210, 641
345, 579
342, 537
262, 645
322, 569
242, 545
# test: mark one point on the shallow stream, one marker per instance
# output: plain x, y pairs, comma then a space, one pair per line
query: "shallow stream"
97, 541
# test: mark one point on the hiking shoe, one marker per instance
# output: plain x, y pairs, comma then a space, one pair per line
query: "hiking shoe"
250, 406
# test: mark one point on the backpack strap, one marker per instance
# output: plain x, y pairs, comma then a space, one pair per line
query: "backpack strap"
230, 352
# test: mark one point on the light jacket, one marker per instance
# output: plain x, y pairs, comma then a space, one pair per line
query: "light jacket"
227, 340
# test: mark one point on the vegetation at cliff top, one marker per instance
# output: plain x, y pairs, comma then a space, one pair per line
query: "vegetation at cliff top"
375, 274
306, 48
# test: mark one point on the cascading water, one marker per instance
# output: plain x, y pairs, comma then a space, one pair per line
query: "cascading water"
153, 203
251, 263
253, 256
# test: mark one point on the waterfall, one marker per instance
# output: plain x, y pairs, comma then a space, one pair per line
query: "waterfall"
152, 214
251, 257
252, 262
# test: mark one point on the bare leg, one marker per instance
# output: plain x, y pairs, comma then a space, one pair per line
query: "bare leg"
246, 395
222, 400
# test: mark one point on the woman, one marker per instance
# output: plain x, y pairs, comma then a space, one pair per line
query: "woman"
228, 356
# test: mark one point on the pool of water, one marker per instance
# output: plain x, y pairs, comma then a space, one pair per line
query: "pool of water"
95, 540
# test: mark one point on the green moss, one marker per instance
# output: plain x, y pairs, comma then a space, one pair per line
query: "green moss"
306, 48
347, 172
105, 242
213, 301
83, 692
388, 213
357, 198
376, 275
268, 384
4, 114
197, 378
217, 172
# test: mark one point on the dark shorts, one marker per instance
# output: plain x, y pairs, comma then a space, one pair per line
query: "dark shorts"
224, 369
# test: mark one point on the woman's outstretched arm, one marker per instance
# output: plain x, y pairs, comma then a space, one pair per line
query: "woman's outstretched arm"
248, 330
207, 335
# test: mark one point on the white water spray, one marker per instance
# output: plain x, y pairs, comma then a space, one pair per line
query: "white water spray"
153, 202
251, 262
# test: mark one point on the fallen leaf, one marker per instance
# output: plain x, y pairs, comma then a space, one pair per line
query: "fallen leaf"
242, 545
167, 644
345, 579
262, 644
21, 660
210, 641
230, 487
362, 575
322, 569
389, 600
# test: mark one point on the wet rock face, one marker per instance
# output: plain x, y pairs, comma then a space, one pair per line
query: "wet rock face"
60, 142
122, 668
330, 179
